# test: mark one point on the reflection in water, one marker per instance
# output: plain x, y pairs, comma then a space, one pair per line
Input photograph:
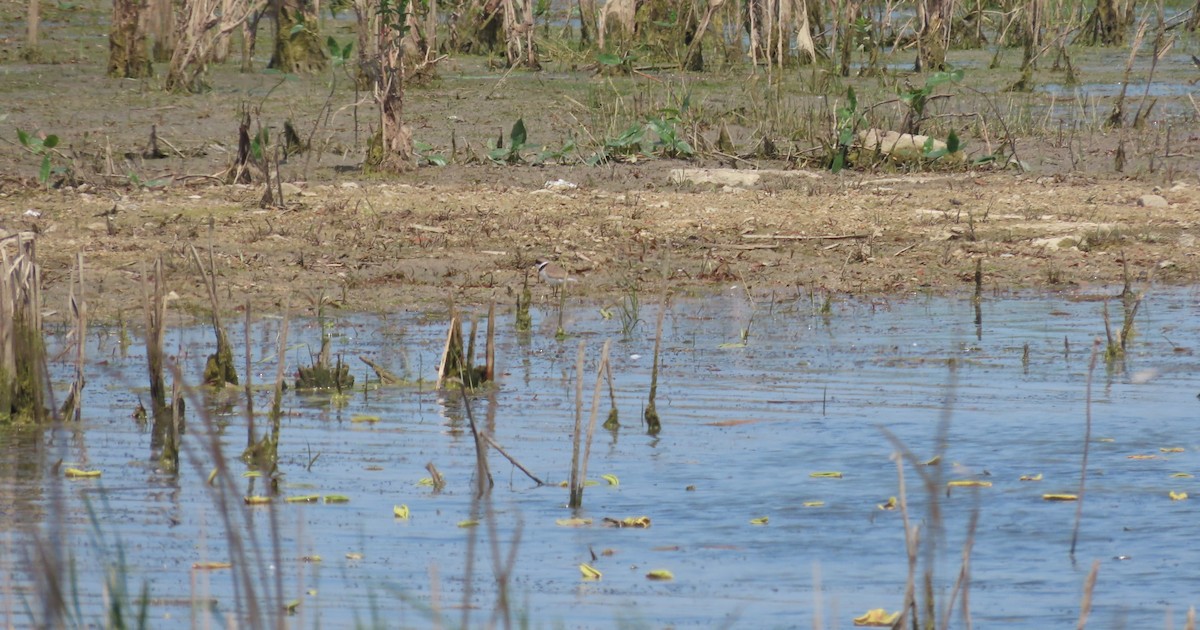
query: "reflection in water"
807, 391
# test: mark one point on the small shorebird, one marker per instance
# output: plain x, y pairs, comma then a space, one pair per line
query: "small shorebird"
552, 274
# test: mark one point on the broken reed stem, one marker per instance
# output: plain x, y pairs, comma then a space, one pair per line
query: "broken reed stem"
1087, 440
155, 308
577, 492
575, 482
249, 378
1130, 315
1089, 586
612, 422
73, 407
489, 365
962, 585
482, 471
653, 424
220, 369
280, 354
911, 536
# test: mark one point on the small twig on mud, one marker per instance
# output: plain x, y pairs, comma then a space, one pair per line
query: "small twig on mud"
802, 237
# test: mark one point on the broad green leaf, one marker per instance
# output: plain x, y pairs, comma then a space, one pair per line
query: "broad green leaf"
608, 59
296, 28
44, 172
952, 143
23, 137
50, 142
517, 136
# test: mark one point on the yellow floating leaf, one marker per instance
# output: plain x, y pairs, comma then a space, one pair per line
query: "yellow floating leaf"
212, 476
1037, 477
890, 505
337, 498
826, 475
573, 522
1141, 457
611, 479
589, 572
307, 498
731, 346
814, 504
563, 484
362, 417
1171, 449
468, 523
590, 482
660, 574
290, 607
877, 617
1060, 497
312, 559
1178, 496
606, 313
640, 522
762, 520
354, 555
257, 500
252, 474
1106, 439
75, 473
211, 566
1182, 475
425, 481
400, 512
969, 483
933, 461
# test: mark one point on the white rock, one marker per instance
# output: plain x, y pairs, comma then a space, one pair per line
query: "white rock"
1152, 201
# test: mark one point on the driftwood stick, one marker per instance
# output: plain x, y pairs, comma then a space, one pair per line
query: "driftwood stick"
385, 376
510, 458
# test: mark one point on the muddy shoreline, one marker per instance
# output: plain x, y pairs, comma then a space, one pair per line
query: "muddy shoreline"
408, 245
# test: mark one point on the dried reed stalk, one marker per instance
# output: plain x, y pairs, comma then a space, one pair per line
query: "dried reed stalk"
575, 482
277, 396
581, 478
1087, 441
1089, 587
653, 424
72, 407
154, 306
22, 352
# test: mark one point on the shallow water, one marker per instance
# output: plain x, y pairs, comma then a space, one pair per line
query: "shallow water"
743, 429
